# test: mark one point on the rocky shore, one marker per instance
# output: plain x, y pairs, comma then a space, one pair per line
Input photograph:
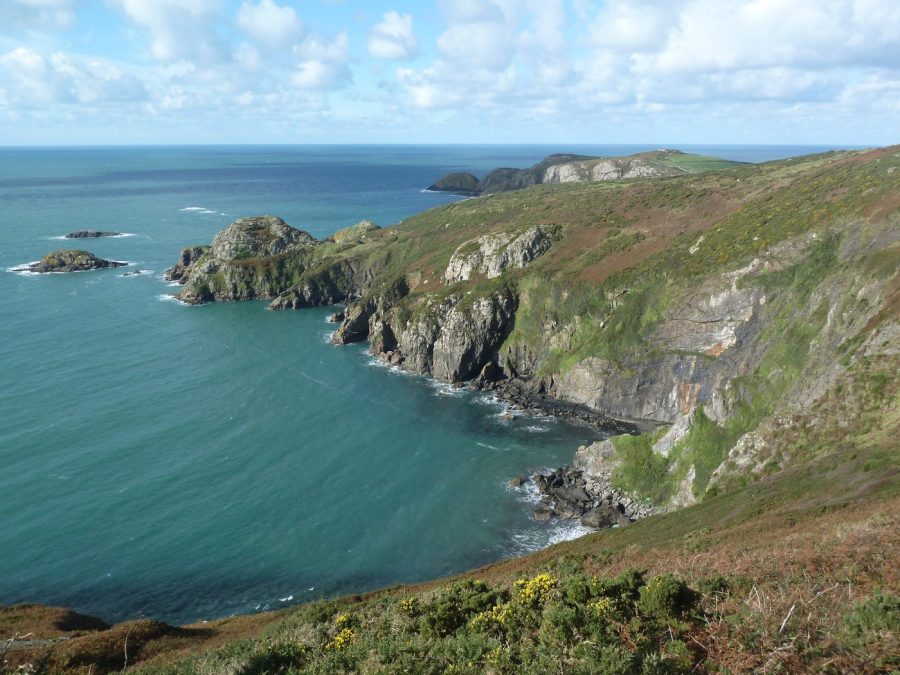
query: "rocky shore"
572, 494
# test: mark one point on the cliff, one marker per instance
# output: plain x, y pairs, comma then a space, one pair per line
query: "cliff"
722, 303
566, 168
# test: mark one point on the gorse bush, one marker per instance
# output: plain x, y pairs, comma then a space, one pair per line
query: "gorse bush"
576, 622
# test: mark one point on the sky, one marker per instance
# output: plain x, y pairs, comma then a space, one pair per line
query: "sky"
87, 72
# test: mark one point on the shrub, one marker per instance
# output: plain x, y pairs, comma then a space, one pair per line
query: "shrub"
871, 620
665, 597
457, 604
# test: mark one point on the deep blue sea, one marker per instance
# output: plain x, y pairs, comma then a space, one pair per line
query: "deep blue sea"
190, 463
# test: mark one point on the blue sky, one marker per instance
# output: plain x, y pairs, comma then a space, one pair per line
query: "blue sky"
450, 71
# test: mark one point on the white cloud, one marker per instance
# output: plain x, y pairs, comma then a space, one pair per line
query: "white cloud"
273, 26
36, 15
393, 38
316, 74
323, 63
179, 29
33, 79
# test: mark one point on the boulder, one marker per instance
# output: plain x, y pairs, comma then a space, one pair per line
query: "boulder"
542, 513
602, 517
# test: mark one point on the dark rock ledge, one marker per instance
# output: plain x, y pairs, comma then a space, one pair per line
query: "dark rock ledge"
91, 234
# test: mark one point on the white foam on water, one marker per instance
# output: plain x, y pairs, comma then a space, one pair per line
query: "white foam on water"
444, 389
167, 297
207, 211
327, 335
286, 598
193, 208
375, 362
22, 270
555, 532
537, 428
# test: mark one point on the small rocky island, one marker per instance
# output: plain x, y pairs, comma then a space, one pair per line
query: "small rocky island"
91, 234
69, 260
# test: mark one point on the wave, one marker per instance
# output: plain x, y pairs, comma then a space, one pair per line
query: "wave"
537, 428
486, 445
193, 208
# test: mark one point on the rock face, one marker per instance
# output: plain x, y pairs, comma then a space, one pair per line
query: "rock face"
452, 340
490, 254
91, 234
189, 256
457, 183
70, 260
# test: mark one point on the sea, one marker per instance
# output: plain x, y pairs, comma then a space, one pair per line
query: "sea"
190, 463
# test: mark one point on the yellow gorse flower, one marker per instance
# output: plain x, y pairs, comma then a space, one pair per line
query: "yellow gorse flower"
340, 641
497, 616
535, 591
603, 608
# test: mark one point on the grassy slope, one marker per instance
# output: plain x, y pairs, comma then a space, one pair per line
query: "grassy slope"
808, 542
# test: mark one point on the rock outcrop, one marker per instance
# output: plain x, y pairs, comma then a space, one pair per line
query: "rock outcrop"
614, 168
91, 234
490, 254
257, 257
69, 260
355, 234
257, 236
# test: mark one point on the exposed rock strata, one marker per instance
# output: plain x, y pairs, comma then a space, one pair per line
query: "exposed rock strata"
490, 254
70, 260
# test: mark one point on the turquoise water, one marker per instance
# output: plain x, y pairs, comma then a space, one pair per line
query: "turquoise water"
194, 462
